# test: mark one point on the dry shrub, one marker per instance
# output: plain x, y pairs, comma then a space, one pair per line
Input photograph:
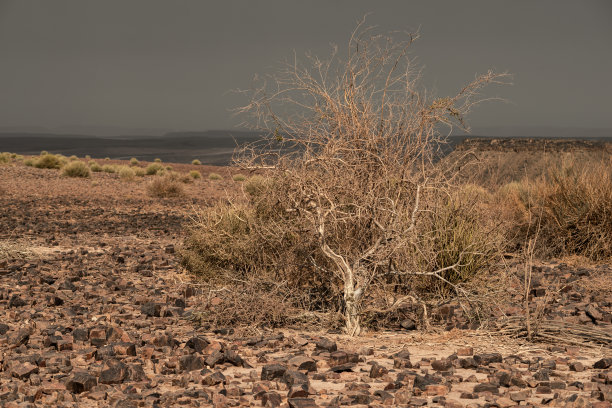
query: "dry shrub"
139, 171
5, 157
95, 167
126, 173
153, 169
76, 168
351, 198
214, 176
574, 205
196, 162
165, 187
48, 161
109, 168
194, 174
30, 162
134, 161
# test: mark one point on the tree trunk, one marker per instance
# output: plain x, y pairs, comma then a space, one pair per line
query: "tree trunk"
351, 311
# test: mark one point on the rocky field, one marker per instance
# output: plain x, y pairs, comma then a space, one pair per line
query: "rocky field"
95, 311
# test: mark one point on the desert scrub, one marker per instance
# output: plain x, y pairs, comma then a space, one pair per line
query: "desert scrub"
154, 168
73, 158
5, 157
572, 205
29, 162
126, 173
134, 161
139, 171
214, 176
76, 169
346, 209
194, 174
157, 160
109, 168
196, 162
238, 177
94, 166
48, 161
164, 187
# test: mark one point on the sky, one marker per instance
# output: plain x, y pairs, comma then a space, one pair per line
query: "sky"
171, 65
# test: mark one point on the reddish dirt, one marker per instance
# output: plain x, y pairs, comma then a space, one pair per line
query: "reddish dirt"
95, 311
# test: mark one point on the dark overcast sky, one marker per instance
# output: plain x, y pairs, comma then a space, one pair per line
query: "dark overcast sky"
170, 64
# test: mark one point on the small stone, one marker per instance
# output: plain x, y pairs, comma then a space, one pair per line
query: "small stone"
81, 382
114, 373
377, 371
271, 399
151, 309
301, 403
486, 387
191, 362
519, 396
436, 390
292, 377
213, 379
465, 351
603, 364
488, 358
576, 366
197, 343
303, 363
341, 368
272, 372
215, 358
441, 365
408, 324
3, 329
21, 337
23, 370
16, 301
326, 344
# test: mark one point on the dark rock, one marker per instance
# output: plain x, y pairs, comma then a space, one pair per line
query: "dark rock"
292, 377
488, 358
213, 379
16, 301
486, 387
341, 368
301, 403
23, 370
80, 334
197, 343
441, 365
408, 324
21, 337
298, 391
377, 371
271, 399
603, 364
151, 309
81, 382
326, 344
3, 329
115, 372
215, 358
272, 372
191, 362
303, 363
233, 358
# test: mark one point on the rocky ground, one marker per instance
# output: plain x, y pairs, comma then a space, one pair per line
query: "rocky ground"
94, 311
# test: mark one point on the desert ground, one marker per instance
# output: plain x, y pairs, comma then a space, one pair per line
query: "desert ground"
96, 310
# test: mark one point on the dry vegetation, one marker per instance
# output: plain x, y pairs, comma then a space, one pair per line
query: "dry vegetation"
351, 213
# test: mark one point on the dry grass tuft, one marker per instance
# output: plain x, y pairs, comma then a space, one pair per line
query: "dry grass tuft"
165, 187
76, 168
